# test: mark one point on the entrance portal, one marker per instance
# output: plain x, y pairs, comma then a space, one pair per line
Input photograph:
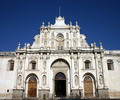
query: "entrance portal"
60, 84
88, 87
32, 87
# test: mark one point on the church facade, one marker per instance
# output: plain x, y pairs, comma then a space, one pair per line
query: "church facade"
60, 63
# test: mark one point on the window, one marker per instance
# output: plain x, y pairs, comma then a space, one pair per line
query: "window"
110, 65
33, 65
87, 64
11, 65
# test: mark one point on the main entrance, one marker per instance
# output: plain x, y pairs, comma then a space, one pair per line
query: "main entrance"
32, 87
60, 85
88, 87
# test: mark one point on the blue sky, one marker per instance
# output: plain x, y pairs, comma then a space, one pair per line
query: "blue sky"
20, 20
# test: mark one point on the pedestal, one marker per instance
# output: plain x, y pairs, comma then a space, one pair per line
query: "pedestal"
43, 93
17, 94
103, 93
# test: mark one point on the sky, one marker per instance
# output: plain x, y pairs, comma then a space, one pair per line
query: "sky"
20, 20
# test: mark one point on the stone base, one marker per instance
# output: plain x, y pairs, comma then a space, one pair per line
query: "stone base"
76, 93
17, 94
43, 94
103, 93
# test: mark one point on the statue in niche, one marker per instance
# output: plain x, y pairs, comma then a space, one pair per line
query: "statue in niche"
67, 36
52, 36
99, 65
44, 81
44, 65
75, 66
52, 44
20, 65
101, 79
67, 44
76, 80
19, 79
45, 43
74, 34
74, 43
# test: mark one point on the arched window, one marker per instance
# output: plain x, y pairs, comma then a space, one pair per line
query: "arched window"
11, 65
33, 65
87, 64
110, 64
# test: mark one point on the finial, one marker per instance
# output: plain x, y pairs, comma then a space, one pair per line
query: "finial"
48, 23
70, 23
76, 23
25, 45
94, 45
18, 46
101, 47
43, 23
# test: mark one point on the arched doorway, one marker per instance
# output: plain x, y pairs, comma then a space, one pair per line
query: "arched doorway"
88, 87
32, 87
60, 85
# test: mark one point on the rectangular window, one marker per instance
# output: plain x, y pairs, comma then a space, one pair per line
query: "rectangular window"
33, 65
110, 66
11, 66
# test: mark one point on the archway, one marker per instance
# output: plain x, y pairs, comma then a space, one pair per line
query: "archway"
60, 84
32, 87
88, 86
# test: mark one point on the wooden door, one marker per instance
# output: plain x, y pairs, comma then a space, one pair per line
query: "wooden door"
88, 87
32, 87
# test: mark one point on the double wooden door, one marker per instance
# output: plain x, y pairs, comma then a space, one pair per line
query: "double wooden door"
88, 87
32, 87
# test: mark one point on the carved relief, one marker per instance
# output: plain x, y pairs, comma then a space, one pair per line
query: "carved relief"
44, 65
75, 66
20, 65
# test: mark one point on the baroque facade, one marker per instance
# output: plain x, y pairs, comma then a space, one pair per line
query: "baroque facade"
60, 63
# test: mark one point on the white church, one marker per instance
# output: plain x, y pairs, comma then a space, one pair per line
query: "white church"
60, 63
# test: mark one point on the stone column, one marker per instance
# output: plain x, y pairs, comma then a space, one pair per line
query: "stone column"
72, 71
23, 71
97, 74
79, 71
104, 84
16, 71
47, 69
